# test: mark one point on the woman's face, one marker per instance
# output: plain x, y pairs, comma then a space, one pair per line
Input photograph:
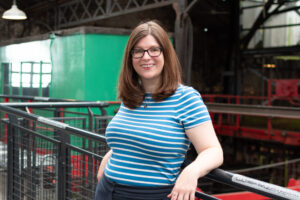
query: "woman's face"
149, 68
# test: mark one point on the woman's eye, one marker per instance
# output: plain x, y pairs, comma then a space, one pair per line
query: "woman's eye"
139, 51
154, 49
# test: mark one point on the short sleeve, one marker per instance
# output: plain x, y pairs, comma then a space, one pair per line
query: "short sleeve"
191, 110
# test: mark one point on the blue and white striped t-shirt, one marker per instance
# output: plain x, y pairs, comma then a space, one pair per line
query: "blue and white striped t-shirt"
149, 142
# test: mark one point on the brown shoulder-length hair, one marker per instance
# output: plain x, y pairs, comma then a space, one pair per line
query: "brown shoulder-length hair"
131, 91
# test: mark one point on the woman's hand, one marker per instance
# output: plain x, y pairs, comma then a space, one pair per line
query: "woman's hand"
186, 184
210, 156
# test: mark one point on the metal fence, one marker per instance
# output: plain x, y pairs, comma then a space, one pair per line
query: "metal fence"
46, 159
42, 160
3, 162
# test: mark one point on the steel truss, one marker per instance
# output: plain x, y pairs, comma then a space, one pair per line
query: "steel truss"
77, 12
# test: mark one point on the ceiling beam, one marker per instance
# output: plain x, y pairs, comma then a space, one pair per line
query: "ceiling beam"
263, 16
43, 5
296, 8
102, 9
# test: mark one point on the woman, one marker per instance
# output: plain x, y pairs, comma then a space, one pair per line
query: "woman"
157, 120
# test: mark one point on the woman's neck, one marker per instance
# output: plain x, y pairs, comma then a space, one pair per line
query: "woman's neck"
150, 86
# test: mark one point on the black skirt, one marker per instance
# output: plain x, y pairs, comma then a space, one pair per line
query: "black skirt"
109, 190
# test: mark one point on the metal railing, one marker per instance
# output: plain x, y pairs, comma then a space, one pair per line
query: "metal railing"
33, 98
89, 120
42, 162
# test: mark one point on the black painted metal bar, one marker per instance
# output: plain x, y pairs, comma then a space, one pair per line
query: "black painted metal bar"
104, 10
10, 162
49, 122
253, 185
286, 10
56, 104
250, 7
263, 16
36, 98
275, 26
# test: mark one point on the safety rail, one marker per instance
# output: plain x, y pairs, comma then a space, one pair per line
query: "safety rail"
39, 150
33, 98
255, 110
281, 92
59, 109
41, 166
252, 100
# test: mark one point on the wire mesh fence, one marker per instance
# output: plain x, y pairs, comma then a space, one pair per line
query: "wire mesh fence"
40, 159
32, 159
3, 160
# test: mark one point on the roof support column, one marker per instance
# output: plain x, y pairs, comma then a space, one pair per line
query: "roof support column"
184, 39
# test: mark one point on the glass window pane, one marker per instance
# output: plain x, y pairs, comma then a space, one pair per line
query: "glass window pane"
46, 79
26, 67
15, 67
46, 68
36, 79
36, 85
15, 79
36, 67
25, 80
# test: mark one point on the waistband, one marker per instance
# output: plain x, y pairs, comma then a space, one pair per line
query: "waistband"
137, 192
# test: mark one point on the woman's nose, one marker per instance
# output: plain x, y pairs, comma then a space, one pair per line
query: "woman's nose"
146, 55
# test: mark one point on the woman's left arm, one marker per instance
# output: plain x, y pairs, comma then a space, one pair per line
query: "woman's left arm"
210, 156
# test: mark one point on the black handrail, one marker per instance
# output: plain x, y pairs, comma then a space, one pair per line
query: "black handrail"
235, 180
52, 123
56, 104
36, 98
253, 185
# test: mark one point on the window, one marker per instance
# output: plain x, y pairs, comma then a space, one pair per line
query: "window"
27, 78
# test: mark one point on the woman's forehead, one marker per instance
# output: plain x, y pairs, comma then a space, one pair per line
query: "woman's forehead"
146, 42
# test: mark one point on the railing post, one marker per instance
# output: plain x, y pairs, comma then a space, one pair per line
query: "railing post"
12, 159
61, 169
91, 117
85, 158
9, 160
237, 123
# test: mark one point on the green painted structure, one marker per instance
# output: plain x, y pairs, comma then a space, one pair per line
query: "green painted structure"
85, 61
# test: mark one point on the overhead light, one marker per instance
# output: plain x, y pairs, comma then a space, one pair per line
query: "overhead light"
14, 13
269, 65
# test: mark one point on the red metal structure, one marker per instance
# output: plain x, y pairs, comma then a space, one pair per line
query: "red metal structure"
280, 91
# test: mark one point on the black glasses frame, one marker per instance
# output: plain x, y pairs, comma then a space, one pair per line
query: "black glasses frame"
146, 50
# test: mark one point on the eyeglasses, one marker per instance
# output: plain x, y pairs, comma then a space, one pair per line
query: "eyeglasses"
153, 52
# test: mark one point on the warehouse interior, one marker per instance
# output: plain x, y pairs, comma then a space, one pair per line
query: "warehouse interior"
233, 52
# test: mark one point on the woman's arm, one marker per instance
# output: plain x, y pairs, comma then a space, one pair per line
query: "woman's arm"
103, 164
210, 156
